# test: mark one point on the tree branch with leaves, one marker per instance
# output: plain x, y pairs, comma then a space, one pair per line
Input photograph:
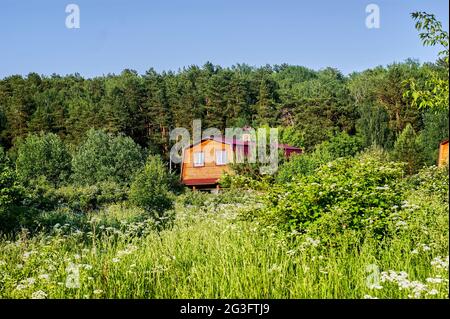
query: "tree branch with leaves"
435, 92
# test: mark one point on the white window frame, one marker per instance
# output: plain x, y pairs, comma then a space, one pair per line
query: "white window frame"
199, 162
221, 157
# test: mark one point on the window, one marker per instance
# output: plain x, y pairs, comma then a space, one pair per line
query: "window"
199, 159
221, 157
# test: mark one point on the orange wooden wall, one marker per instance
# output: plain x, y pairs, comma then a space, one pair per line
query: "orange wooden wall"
443, 154
210, 169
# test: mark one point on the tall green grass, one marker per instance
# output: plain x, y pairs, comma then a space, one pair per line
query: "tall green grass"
211, 253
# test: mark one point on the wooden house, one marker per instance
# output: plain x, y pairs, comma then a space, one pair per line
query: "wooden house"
204, 162
443, 153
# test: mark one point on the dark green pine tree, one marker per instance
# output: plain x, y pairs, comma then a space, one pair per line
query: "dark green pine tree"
157, 115
123, 106
238, 102
20, 106
115, 111
185, 99
216, 112
266, 106
407, 149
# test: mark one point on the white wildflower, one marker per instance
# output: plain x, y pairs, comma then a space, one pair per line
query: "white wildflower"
20, 287
433, 292
86, 266
27, 254
290, 252
44, 276
439, 263
275, 268
434, 280
400, 223
313, 242
405, 204
30, 281
378, 287
39, 295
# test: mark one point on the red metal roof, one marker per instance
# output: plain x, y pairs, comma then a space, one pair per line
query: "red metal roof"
236, 141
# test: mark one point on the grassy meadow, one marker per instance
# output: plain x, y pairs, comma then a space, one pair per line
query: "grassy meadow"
212, 251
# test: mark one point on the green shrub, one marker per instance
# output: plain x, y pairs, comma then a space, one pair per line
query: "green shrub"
106, 158
41, 194
12, 212
408, 149
423, 216
341, 145
373, 126
297, 165
232, 196
291, 135
246, 181
89, 198
431, 180
150, 188
11, 193
3, 158
110, 216
363, 190
194, 198
49, 220
43, 155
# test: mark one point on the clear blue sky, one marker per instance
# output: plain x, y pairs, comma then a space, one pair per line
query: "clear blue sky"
170, 34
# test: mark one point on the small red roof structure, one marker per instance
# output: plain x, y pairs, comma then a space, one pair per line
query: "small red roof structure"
235, 142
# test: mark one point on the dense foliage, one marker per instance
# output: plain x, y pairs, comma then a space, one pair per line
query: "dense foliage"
150, 187
211, 252
43, 155
106, 157
357, 193
145, 107
11, 196
407, 149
